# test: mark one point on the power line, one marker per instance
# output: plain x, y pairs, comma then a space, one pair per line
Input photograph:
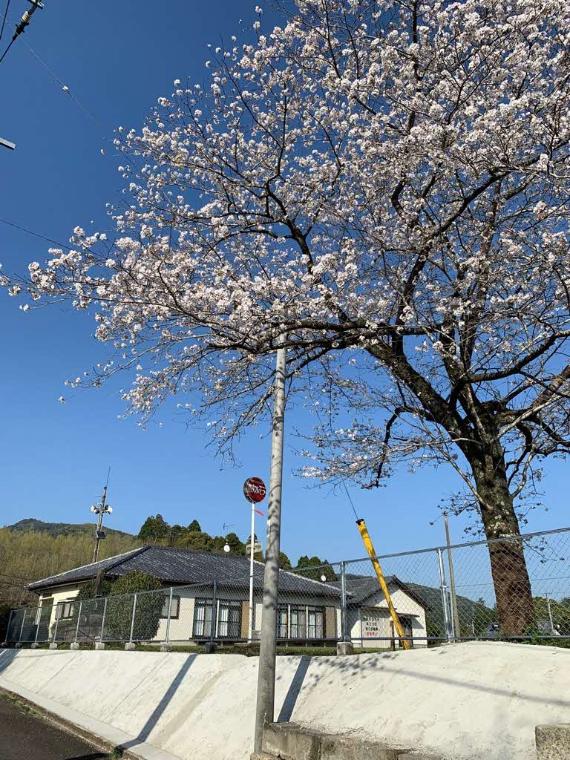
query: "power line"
5, 53
6, 9
36, 234
65, 87
350, 500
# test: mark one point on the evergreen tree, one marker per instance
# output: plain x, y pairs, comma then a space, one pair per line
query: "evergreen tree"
154, 529
315, 567
236, 545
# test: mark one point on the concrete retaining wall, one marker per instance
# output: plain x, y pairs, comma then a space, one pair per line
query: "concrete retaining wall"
289, 741
467, 701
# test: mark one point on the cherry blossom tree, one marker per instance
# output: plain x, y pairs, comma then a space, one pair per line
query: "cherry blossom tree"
382, 185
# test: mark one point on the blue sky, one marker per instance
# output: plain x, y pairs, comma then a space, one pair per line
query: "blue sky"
117, 58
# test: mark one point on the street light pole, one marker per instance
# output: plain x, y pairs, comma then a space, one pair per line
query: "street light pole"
266, 675
251, 567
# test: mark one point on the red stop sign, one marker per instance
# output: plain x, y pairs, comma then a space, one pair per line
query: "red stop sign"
254, 489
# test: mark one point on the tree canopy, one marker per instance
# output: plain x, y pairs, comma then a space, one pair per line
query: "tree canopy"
382, 187
156, 529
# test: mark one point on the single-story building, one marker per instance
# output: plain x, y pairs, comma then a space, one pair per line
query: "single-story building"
210, 600
369, 623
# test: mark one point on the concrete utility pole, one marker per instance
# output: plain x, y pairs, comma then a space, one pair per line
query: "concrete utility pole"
20, 27
454, 611
266, 674
22, 24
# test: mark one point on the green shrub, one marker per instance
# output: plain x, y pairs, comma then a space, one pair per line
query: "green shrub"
120, 607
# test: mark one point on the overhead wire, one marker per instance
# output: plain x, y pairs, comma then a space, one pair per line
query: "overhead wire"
6, 9
66, 246
65, 87
5, 53
350, 500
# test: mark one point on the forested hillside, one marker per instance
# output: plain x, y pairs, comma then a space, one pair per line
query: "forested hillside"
31, 525
32, 549
27, 555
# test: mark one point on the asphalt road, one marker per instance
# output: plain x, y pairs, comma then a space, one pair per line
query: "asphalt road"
26, 736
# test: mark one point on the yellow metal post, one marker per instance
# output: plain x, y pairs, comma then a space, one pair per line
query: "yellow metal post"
406, 644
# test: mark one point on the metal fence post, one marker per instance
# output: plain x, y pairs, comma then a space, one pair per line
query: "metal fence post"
133, 616
56, 624
10, 616
456, 627
103, 619
214, 623
22, 626
167, 637
550, 614
343, 618
444, 596
78, 619
38, 619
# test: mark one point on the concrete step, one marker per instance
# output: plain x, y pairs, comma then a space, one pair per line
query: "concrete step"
290, 741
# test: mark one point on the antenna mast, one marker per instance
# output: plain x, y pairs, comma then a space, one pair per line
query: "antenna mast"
101, 510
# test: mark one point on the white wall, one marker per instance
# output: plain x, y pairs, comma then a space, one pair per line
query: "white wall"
376, 610
181, 628
487, 696
56, 595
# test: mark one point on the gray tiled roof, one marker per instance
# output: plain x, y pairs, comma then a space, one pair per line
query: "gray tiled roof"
360, 588
177, 566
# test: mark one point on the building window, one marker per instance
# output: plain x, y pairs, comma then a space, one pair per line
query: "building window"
65, 610
301, 622
229, 620
315, 623
174, 607
282, 622
297, 628
202, 619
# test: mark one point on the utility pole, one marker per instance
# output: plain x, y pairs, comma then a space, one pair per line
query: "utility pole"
20, 27
265, 707
101, 510
22, 24
454, 611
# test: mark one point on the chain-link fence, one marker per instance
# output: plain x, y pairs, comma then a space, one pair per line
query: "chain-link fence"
513, 588
510, 588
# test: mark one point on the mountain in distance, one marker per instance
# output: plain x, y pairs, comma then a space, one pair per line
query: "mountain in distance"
31, 525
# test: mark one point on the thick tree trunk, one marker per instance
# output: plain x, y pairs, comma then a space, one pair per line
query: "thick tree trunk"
508, 566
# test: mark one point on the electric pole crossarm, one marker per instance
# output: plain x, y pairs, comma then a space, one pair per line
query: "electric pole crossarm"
22, 24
